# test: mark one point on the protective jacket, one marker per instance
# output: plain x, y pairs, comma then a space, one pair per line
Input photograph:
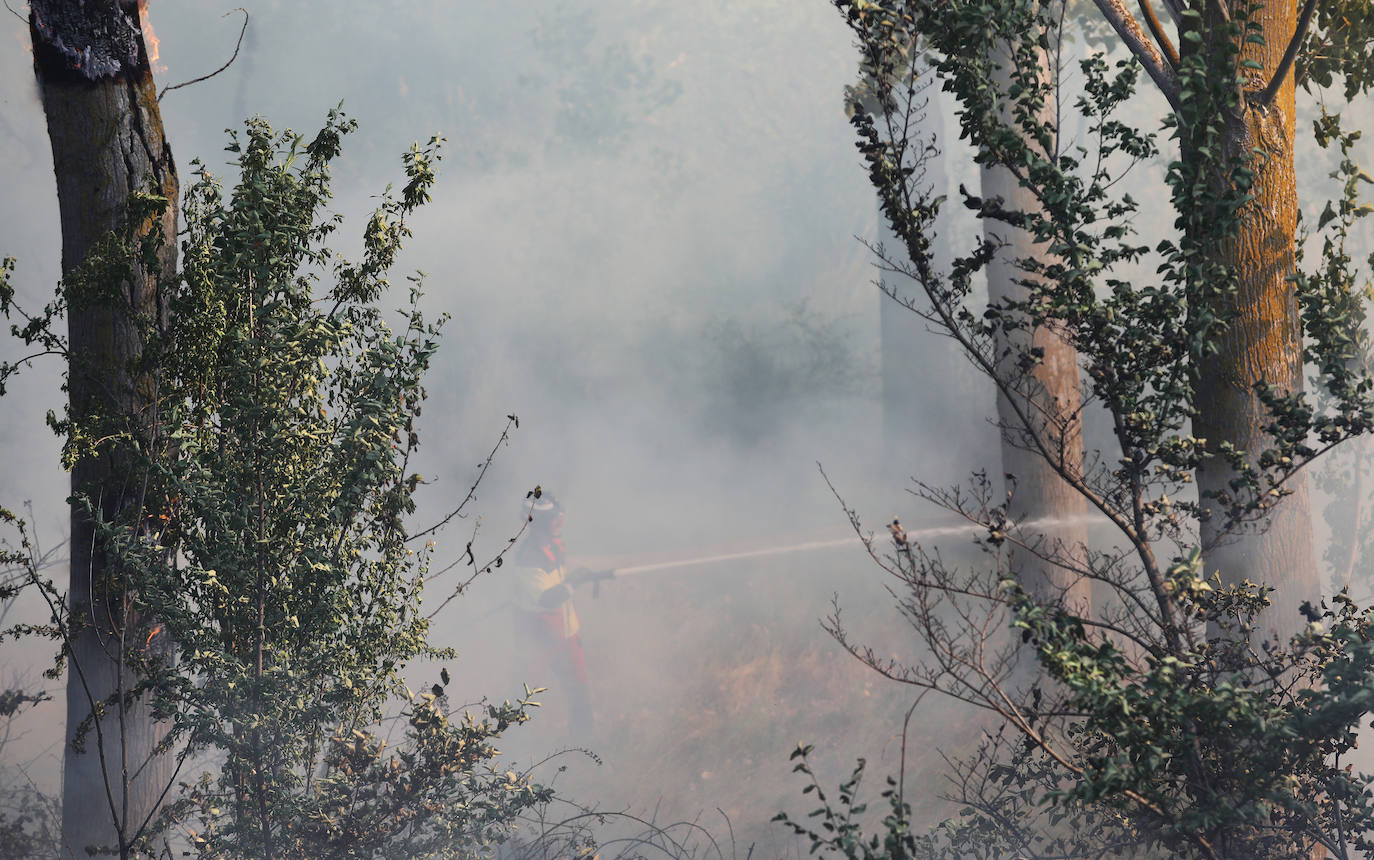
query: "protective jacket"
541, 588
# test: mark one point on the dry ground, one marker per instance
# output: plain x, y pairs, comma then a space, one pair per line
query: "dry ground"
706, 678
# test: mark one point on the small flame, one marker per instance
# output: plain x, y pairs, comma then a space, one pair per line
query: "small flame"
151, 633
150, 37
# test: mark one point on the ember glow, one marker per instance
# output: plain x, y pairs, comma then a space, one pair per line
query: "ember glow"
149, 37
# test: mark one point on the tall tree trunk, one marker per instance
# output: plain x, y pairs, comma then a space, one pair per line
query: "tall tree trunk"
107, 143
1041, 419
1262, 343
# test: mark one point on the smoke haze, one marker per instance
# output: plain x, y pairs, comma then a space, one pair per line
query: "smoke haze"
644, 235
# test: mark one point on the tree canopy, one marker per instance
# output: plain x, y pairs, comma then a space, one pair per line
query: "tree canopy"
1205, 704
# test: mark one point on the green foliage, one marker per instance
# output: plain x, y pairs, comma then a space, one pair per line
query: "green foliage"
433, 796
1005, 811
28, 823
1339, 47
1334, 309
293, 600
840, 832
1271, 743
1163, 717
265, 545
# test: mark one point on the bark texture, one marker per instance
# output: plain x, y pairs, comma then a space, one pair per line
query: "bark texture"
1041, 413
108, 143
1262, 343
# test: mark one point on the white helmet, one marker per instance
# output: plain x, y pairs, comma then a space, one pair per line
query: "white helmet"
540, 506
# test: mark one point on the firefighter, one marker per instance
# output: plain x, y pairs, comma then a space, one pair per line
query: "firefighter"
544, 611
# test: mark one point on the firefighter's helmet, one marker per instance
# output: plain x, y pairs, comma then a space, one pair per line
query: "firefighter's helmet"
541, 507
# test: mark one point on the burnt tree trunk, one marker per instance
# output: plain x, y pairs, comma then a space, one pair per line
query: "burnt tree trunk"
108, 144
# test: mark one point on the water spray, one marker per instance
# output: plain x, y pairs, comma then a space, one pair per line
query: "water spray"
906, 537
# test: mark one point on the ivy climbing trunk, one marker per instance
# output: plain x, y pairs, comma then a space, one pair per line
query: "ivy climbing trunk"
1040, 411
108, 144
1263, 341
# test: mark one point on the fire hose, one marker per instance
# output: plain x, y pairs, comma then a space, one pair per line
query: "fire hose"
900, 536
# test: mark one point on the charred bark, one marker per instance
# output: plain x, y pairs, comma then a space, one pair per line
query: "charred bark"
108, 144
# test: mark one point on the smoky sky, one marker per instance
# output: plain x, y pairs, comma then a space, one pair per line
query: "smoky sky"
644, 234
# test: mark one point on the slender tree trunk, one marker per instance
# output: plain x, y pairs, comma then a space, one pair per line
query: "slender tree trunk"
1045, 407
1262, 343
108, 143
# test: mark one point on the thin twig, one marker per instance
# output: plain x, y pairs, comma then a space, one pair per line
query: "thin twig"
901, 770
237, 46
1170, 52
511, 422
1130, 32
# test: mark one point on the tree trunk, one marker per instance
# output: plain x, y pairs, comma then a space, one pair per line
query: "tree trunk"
1262, 343
108, 143
1044, 409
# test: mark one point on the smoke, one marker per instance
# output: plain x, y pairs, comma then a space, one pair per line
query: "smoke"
644, 235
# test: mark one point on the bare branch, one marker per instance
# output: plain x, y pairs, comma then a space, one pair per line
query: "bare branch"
1290, 54
1128, 28
1170, 52
511, 422
237, 46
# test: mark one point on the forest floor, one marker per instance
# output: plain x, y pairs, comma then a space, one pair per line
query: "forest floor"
704, 680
